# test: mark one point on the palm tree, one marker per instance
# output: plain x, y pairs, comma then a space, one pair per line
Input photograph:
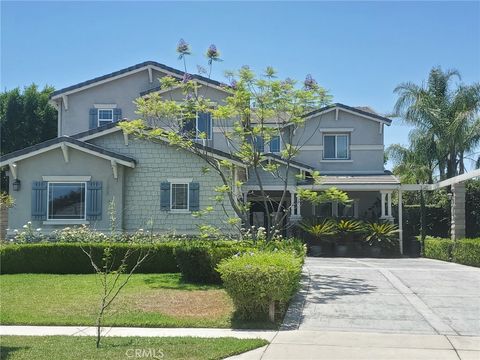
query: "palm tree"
448, 117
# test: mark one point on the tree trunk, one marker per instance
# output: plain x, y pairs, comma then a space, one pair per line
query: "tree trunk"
461, 164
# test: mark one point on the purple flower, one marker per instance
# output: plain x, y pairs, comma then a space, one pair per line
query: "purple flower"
183, 48
186, 77
310, 83
212, 52
233, 84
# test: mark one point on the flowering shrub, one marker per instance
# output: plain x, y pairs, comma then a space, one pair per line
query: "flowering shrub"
28, 234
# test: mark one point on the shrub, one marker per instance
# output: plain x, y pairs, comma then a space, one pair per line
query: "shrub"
68, 258
382, 234
254, 280
438, 248
197, 260
319, 229
467, 252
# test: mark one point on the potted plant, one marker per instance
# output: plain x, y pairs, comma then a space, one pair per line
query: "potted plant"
320, 230
381, 236
346, 230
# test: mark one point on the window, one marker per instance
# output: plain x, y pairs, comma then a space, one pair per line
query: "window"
275, 144
258, 143
347, 210
179, 196
335, 146
105, 116
204, 126
66, 201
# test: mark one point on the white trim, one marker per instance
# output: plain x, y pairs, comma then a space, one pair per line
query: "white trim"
210, 135
336, 159
100, 133
349, 172
284, 162
365, 116
366, 147
65, 152
311, 148
128, 73
105, 106
338, 108
66, 222
107, 157
104, 120
150, 74
327, 130
13, 170
65, 101
66, 178
178, 182
219, 129
114, 169
351, 187
84, 201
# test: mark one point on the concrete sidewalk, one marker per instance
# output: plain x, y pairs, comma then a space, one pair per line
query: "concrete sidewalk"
306, 344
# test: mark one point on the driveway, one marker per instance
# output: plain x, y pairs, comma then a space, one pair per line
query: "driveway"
419, 296
379, 309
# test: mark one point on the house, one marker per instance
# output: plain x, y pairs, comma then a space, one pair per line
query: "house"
73, 178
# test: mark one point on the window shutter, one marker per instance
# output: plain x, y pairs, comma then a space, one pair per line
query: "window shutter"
194, 196
188, 127
117, 114
94, 200
165, 196
259, 144
39, 200
93, 118
204, 124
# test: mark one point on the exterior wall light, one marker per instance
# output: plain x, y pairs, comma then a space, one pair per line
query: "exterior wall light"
16, 185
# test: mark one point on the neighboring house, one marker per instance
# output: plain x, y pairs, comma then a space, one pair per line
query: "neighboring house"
72, 179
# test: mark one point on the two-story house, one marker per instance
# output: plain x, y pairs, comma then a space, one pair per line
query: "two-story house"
73, 178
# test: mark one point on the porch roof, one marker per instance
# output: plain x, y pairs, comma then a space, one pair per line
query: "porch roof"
355, 181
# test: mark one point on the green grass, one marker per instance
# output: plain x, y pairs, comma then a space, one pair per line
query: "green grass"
150, 300
70, 347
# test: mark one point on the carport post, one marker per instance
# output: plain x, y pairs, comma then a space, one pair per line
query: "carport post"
400, 220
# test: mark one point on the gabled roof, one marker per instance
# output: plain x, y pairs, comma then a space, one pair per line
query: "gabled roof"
69, 142
292, 163
144, 65
362, 111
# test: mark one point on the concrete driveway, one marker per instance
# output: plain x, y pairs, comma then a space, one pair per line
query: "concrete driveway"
419, 296
379, 309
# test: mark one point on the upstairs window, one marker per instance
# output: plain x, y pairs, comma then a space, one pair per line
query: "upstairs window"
204, 126
66, 201
335, 147
105, 116
257, 142
275, 144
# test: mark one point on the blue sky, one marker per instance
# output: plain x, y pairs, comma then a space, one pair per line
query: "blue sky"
358, 50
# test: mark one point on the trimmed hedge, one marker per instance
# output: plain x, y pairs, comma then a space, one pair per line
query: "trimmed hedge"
68, 258
467, 252
463, 251
254, 280
438, 248
197, 260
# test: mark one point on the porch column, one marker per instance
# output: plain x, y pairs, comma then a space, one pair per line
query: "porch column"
389, 204
383, 216
292, 203
298, 205
400, 220
458, 211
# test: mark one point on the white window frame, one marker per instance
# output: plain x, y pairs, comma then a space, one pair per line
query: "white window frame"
103, 120
197, 132
336, 147
180, 182
66, 220
333, 207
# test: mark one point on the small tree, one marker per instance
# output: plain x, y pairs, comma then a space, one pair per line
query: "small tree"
258, 111
113, 273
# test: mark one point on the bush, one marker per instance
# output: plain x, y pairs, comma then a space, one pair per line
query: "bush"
197, 260
467, 252
438, 248
254, 280
68, 258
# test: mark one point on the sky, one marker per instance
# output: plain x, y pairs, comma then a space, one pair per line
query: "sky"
359, 51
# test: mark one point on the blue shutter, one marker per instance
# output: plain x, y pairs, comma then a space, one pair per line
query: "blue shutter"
194, 196
39, 200
93, 118
94, 200
259, 145
275, 144
204, 124
165, 196
117, 114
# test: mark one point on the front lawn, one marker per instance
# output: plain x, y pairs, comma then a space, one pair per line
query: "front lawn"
150, 300
71, 347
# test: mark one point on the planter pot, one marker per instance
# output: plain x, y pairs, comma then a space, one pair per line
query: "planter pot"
357, 249
375, 251
316, 250
341, 250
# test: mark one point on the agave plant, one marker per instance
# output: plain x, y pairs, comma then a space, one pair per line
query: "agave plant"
319, 229
381, 234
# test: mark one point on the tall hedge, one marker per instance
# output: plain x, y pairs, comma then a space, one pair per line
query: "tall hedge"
463, 251
68, 258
